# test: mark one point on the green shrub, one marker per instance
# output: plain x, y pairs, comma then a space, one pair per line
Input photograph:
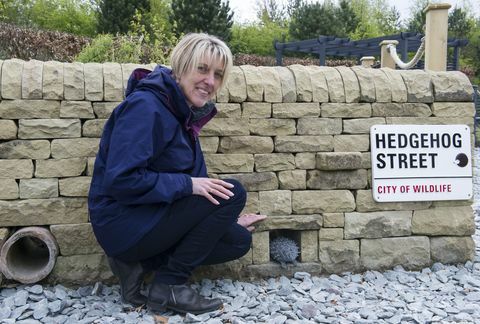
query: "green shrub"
256, 39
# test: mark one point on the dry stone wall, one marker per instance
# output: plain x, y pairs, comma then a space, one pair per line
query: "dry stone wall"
297, 137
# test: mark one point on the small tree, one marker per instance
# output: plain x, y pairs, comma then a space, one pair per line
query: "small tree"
311, 20
115, 15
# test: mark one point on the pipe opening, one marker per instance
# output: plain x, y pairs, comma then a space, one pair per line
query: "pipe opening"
28, 254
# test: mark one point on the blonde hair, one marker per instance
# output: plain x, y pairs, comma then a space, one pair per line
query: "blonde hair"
195, 46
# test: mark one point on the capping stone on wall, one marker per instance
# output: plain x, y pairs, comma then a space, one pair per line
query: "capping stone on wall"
297, 138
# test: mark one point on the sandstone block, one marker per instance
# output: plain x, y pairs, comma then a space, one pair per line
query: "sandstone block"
1, 63
336, 89
430, 121
16, 109
308, 246
255, 181
351, 143
366, 82
453, 109
319, 126
60, 167
340, 255
104, 109
361, 125
450, 249
73, 81
9, 191
93, 73
71, 148
330, 234
226, 127
333, 220
401, 110
226, 110
229, 163
8, 130
246, 144
52, 80
452, 203
341, 179
287, 80
292, 179
451, 86
222, 95
304, 143
274, 162
74, 187
365, 203
75, 239
16, 169
90, 165
237, 86
112, 82
252, 205
322, 201
81, 269
257, 110
302, 82
419, 86
272, 127
29, 212
253, 79
378, 224
339, 160
383, 92
350, 81
4, 234
39, 188
20, 149
261, 247
367, 162
399, 90
76, 109
305, 161
32, 80
209, 144
296, 110
348, 110
453, 221
275, 202
93, 128
412, 253
127, 70
290, 222
272, 87
11, 81
49, 128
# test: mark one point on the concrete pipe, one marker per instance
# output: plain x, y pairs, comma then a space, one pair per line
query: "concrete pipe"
28, 255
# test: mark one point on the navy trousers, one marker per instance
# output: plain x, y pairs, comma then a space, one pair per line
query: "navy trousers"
194, 232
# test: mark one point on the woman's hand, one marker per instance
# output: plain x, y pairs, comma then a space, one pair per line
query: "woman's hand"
247, 220
207, 187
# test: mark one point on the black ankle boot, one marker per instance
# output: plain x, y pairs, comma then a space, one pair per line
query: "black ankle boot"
130, 275
180, 298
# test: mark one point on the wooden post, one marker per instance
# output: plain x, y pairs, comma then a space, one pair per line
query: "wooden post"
436, 36
386, 59
367, 61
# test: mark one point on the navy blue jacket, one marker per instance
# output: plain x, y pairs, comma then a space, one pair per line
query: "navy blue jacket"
148, 153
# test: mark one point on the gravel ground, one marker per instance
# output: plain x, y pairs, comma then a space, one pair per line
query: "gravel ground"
440, 294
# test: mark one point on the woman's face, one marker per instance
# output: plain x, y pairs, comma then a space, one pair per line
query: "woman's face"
201, 84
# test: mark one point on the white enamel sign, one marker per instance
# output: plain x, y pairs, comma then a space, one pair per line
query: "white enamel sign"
421, 162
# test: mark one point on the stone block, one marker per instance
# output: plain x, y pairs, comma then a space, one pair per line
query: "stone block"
452, 221
81, 269
272, 87
4, 234
74, 187
401, 110
1, 63
399, 90
222, 95
366, 82
8, 130
226, 127
256, 110
274, 162
430, 121
246, 144
336, 88
76, 109
383, 92
292, 179
227, 110
453, 109
272, 127
365, 203
90, 165
75, 239
419, 85
32, 75
30, 212
319, 126
209, 144
339, 256
378, 224
339, 161
333, 220
351, 143
350, 81
49, 128
302, 82
93, 73
93, 128
287, 80
16, 169
11, 81
450, 249
73, 81
305, 161
261, 247
104, 109
52, 80
451, 86
56, 168
229, 163
413, 253
341, 179
9, 191
253, 79
452, 203
290, 222
367, 162
71, 148
347, 110
112, 82
308, 246
322, 201
252, 205
304, 143
236, 85
255, 181
16, 109
330, 234
296, 110
21, 149
39, 188
361, 125
127, 70
275, 202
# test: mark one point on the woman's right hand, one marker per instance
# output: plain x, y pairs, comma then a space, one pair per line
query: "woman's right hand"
207, 188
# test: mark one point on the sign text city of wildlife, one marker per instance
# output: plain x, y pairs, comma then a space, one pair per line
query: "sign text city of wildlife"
421, 162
